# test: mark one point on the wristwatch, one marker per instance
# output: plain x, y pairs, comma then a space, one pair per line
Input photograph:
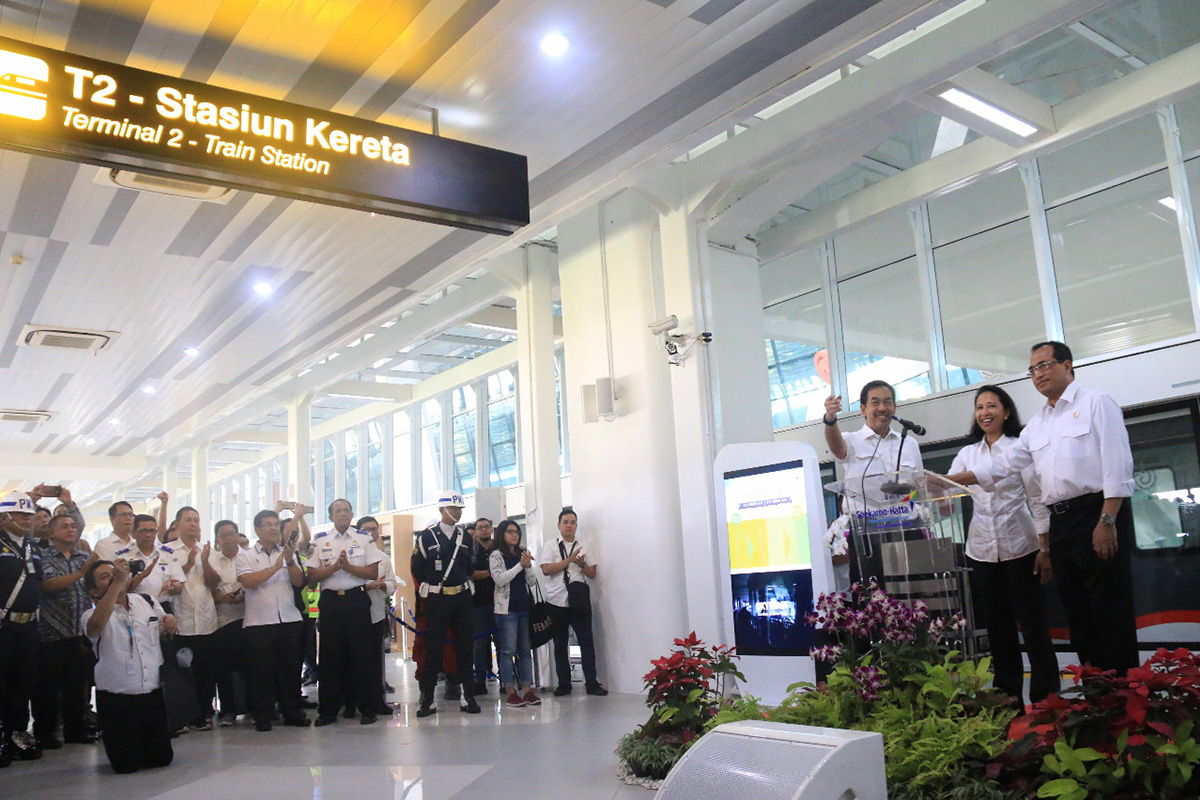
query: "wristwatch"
827, 422
1108, 519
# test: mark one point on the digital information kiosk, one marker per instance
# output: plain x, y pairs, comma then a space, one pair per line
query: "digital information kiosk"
773, 559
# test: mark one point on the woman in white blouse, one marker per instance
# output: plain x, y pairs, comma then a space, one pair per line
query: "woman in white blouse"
1009, 554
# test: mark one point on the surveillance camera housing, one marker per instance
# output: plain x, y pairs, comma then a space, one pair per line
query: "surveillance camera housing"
664, 325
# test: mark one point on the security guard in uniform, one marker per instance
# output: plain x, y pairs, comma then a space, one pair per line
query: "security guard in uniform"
442, 567
20, 591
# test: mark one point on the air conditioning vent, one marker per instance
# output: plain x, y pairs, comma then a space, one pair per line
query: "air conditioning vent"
17, 415
66, 338
159, 184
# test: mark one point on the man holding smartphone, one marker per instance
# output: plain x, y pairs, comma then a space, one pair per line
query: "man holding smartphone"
229, 663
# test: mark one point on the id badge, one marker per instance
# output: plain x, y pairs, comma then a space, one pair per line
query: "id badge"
437, 565
30, 568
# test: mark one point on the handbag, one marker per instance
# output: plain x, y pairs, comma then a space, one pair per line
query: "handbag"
541, 626
579, 594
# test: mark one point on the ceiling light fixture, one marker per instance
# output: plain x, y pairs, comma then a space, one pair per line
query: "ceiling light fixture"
988, 111
263, 289
555, 44
1169, 202
191, 351
149, 389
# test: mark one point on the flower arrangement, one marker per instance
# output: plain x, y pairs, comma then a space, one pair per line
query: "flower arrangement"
1129, 737
684, 691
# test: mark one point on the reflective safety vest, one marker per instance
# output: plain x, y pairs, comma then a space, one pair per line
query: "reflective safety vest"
312, 597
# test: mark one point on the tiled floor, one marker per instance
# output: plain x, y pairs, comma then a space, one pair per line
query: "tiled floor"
561, 750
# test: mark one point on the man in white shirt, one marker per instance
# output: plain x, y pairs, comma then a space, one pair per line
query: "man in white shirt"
195, 611
569, 562
343, 561
124, 630
159, 574
873, 449
1079, 449
120, 516
380, 591
269, 572
229, 662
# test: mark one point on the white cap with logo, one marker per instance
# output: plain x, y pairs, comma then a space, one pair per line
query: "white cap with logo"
451, 500
17, 503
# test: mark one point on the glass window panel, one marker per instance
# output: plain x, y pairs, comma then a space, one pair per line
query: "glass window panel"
263, 488
1151, 30
797, 361
884, 331
352, 467
431, 450
880, 241
1057, 65
792, 276
1192, 170
984, 204
920, 139
846, 182
402, 470
464, 452
1111, 155
1118, 260
247, 494
991, 300
374, 468
330, 477
276, 482
502, 441
462, 399
1187, 114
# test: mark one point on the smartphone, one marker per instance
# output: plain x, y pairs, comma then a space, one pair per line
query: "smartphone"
52, 491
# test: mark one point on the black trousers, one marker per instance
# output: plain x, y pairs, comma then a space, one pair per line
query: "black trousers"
1009, 593
1097, 595
308, 628
347, 649
274, 656
448, 613
563, 620
18, 673
62, 685
229, 664
486, 633
203, 653
135, 730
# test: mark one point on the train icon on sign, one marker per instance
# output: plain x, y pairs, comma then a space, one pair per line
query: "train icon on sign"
22, 79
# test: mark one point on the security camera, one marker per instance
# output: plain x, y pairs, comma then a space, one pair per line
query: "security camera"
664, 325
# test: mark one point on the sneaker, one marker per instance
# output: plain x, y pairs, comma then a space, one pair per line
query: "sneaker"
22, 747
562, 691
597, 690
531, 699
514, 700
227, 720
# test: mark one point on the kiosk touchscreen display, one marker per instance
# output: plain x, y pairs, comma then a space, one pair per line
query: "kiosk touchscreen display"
770, 561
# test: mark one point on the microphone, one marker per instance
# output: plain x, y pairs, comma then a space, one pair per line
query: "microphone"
916, 428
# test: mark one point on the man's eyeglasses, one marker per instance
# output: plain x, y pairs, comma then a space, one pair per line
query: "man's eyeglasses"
1041, 366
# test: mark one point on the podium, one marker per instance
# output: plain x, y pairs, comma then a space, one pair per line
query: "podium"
906, 531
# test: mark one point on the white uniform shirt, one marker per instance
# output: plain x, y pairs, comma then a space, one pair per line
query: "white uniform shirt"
360, 551
553, 587
862, 458
128, 652
227, 568
107, 547
387, 574
1077, 446
165, 569
194, 607
274, 600
1006, 521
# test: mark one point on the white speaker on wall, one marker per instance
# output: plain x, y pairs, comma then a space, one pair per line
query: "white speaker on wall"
774, 761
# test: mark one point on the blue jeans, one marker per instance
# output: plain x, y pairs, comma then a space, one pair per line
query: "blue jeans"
514, 645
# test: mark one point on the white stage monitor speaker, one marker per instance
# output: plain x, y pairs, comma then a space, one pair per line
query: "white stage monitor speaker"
774, 761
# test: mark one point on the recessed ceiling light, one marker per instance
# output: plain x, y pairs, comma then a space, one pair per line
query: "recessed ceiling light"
149, 389
1169, 202
191, 351
114, 422
263, 288
555, 44
89, 441
988, 111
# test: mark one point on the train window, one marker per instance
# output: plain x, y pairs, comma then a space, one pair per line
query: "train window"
1166, 473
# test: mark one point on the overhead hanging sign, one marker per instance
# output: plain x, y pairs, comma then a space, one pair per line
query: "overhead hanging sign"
62, 105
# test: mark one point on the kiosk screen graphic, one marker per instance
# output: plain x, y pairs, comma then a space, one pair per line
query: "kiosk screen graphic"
770, 559
22, 85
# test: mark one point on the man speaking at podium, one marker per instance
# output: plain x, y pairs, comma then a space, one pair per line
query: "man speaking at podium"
872, 449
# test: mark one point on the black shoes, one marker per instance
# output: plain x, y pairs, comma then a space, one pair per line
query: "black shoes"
83, 738
323, 721
262, 726
306, 703
388, 688
368, 719
597, 690
469, 706
21, 747
297, 720
349, 712
563, 690
48, 743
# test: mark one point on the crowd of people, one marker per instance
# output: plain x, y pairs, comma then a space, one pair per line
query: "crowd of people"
178, 635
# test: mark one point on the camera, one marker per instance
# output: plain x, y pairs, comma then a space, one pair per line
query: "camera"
137, 566
664, 325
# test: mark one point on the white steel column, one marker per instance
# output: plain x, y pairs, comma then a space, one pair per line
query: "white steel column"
834, 333
171, 482
299, 452
931, 305
1031, 175
483, 452
199, 499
